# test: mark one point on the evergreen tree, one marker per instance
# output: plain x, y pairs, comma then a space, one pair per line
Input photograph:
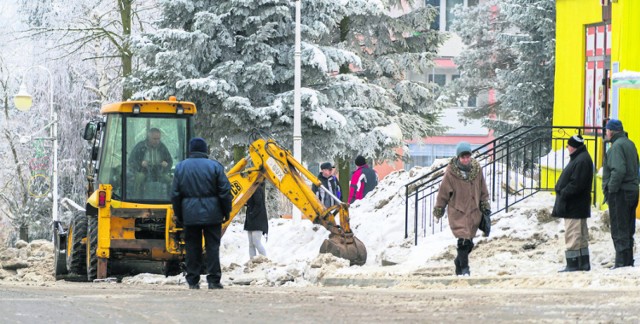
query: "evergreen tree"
234, 59
510, 49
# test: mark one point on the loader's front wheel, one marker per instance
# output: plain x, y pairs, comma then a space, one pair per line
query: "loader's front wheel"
92, 245
76, 249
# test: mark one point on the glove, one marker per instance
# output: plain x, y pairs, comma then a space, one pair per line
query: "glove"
485, 208
438, 212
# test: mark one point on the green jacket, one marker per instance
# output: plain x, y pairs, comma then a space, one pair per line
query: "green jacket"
620, 170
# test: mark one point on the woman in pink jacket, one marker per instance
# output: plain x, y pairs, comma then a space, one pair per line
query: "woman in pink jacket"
464, 190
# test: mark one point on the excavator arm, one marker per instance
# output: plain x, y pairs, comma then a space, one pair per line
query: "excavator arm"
268, 161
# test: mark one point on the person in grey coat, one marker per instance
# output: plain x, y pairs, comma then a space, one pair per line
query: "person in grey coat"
573, 203
620, 189
201, 198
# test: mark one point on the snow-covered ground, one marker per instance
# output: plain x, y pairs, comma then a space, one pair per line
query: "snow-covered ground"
525, 244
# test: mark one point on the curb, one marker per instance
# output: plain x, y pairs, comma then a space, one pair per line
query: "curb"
391, 282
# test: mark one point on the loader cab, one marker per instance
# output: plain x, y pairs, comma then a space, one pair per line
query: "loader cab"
138, 145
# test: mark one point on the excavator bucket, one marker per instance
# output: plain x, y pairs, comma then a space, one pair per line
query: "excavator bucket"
346, 246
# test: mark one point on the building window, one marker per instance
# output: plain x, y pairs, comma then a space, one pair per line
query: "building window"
439, 79
445, 17
425, 154
435, 25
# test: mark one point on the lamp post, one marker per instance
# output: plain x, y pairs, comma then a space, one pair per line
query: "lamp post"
23, 101
297, 75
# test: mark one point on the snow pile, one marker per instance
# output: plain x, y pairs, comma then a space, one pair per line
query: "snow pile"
28, 262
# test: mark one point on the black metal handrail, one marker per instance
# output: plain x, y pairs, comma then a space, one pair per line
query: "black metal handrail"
512, 165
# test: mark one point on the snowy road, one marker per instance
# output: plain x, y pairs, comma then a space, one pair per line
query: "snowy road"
119, 303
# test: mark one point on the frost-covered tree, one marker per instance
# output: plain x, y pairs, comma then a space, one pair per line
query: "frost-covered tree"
510, 49
234, 59
95, 30
78, 42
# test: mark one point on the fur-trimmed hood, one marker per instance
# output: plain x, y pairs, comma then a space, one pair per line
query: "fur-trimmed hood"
455, 170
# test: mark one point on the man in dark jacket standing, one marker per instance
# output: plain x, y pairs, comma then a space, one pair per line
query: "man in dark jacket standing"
201, 199
573, 203
330, 182
620, 188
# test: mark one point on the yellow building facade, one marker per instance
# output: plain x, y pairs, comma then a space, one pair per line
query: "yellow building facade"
595, 39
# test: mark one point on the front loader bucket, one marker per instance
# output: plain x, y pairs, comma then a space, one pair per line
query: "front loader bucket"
346, 246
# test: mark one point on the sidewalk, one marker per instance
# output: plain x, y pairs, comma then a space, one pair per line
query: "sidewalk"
624, 278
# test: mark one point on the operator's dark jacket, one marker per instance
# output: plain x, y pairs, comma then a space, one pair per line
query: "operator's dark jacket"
257, 212
138, 152
201, 192
573, 189
620, 168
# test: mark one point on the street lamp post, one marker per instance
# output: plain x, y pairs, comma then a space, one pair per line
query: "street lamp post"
23, 101
297, 76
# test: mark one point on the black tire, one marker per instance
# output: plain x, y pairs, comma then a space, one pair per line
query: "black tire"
59, 255
76, 249
92, 245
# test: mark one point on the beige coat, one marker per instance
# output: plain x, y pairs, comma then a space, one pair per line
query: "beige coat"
463, 198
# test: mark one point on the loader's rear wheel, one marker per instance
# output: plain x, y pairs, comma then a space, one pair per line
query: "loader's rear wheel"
76, 249
92, 245
59, 255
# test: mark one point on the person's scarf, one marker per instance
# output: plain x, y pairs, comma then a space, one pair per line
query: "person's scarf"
464, 169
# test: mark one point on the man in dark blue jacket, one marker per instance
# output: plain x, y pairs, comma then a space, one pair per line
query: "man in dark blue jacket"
201, 199
620, 188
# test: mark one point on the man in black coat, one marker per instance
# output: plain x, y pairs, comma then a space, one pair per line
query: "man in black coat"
201, 198
573, 203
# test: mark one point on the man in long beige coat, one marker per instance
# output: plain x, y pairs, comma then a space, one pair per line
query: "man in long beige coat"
464, 190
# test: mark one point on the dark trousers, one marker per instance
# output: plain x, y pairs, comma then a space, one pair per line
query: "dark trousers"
193, 245
622, 212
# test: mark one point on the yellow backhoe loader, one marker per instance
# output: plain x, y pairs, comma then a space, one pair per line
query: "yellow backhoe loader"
128, 216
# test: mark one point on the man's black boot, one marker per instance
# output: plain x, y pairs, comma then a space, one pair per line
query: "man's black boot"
573, 261
628, 258
215, 285
583, 263
620, 261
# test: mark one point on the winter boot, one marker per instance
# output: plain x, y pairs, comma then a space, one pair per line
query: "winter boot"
628, 258
620, 260
583, 263
464, 248
458, 269
573, 259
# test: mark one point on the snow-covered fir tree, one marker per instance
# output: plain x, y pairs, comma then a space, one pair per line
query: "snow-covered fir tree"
234, 59
510, 49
